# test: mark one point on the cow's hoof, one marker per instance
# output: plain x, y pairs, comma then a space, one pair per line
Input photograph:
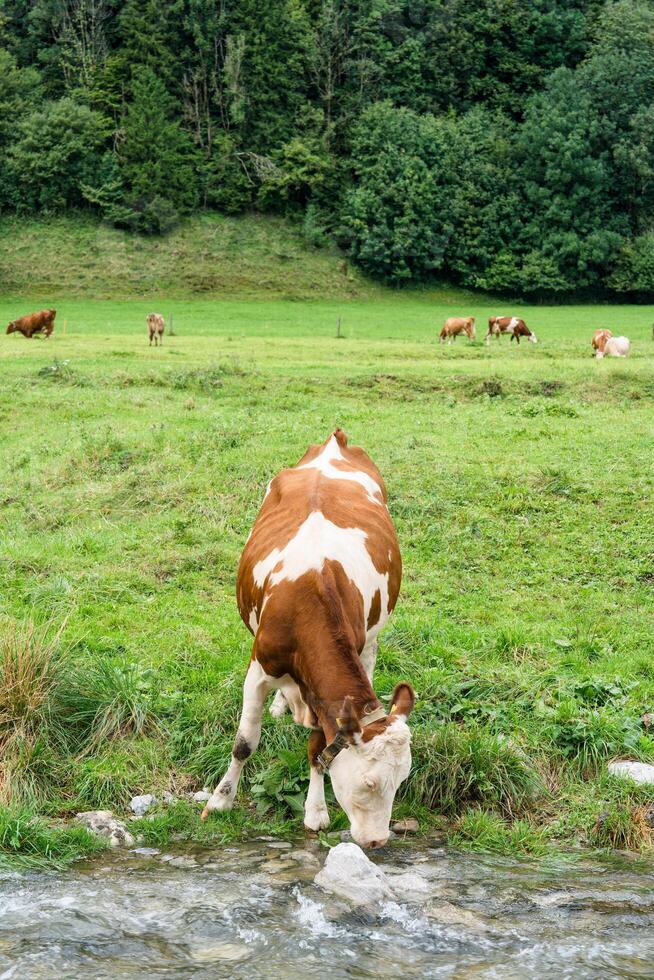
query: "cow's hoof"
316, 818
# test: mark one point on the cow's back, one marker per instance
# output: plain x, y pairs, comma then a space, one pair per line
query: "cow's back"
323, 529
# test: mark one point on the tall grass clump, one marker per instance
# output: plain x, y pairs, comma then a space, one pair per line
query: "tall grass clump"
105, 700
29, 840
479, 830
30, 669
455, 768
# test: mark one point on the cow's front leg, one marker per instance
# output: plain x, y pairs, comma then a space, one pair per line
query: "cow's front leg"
369, 657
316, 815
256, 688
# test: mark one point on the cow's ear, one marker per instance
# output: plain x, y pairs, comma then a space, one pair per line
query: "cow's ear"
347, 721
403, 700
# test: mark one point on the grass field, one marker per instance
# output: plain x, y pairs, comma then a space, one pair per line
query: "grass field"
522, 486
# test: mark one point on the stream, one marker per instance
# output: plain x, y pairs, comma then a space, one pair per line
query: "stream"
252, 910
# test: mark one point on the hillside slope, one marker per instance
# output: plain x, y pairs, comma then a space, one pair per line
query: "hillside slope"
213, 255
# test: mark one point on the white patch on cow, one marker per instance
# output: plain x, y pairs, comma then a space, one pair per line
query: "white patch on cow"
532, 338
617, 347
366, 777
512, 325
253, 621
325, 463
317, 541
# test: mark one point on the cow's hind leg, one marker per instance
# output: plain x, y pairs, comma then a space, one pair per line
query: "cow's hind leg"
256, 688
279, 705
316, 815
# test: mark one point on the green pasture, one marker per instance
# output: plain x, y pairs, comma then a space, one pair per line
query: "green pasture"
521, 481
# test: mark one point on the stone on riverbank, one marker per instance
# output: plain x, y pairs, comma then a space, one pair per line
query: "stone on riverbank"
141, 804
640, 772
349, 873
104, 824
409, 825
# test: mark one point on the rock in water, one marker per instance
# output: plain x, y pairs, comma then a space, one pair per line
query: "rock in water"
104, 824
141, 804
638, 771
349, 873
409, 825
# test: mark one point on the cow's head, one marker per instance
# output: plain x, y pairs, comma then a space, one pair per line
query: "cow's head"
470, 330
11, 328
532, 338
366, 777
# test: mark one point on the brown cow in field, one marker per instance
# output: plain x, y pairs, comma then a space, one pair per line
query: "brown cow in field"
455, 325
156, 328
318, 578
599, 340
513, 325
41, 322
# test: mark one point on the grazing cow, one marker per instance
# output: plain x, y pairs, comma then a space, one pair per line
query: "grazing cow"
156, 328
41, 322
615, 347
455, 325
599, 339
318, 578
513, 325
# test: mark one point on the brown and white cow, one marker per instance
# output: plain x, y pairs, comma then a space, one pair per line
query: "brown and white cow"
156, 328
455, 325
615, 347
512, 325
600, 337
41, 322
318, 578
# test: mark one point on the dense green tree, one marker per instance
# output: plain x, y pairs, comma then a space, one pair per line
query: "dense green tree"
58, 149
397, 219
20, 94
155, 157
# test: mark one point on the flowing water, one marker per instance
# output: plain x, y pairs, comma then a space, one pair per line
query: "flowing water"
253, 911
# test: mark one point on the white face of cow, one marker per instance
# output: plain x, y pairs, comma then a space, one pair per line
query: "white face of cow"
532, 338
366, 777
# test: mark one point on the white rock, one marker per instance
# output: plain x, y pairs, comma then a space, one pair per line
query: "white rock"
141, 804
104, 824
201, 796
640, 772
349, 873
219, 952
183, 862
303, 857
410, 887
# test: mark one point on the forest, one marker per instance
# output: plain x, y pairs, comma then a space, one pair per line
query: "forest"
504, 145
